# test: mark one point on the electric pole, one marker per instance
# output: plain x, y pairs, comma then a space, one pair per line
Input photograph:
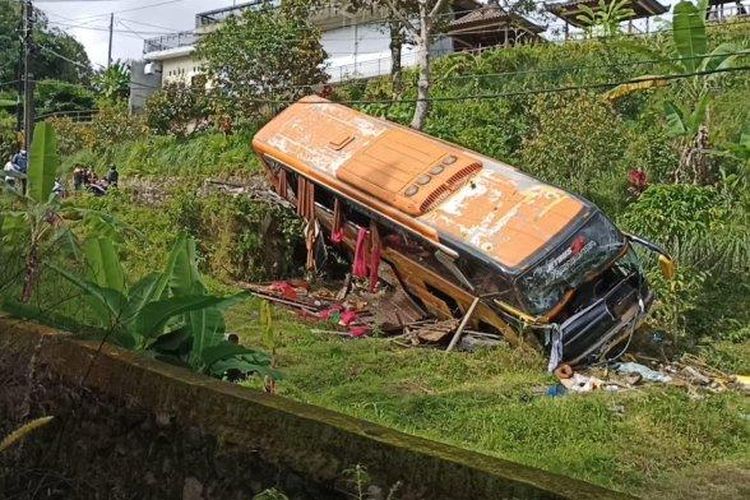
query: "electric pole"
20, 71
109, 51
28, 84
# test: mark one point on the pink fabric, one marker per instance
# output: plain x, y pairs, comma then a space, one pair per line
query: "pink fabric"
337, 228
359, 268
347, 317
358, 331
337, 236
375, 253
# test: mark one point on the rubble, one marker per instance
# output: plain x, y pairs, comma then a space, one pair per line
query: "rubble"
689, 372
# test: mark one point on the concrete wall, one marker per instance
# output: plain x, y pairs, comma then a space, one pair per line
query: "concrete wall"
180, 69
141, 86
127, 426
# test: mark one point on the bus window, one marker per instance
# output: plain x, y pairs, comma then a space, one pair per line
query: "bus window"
276, 168
324, 197
415, 248
486, 280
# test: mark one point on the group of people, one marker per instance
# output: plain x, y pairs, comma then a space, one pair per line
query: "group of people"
85, 178
16, 168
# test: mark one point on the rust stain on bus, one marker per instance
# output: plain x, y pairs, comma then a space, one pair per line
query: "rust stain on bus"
416, 180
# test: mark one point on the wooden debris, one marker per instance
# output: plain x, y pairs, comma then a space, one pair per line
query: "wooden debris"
431, 331
462, 325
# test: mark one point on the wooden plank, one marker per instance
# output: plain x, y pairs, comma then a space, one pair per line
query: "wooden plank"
462, 325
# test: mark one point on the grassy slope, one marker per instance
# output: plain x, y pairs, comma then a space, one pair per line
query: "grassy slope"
645, 442
493, 402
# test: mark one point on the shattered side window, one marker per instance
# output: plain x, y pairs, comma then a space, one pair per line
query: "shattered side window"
584, 254
292, 178
413, 247
486, 279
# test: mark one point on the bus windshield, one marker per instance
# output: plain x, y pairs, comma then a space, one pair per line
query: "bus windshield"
569, 264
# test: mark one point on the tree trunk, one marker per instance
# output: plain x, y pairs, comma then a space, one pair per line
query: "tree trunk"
396, 29
32, 269
423, 63
694, 163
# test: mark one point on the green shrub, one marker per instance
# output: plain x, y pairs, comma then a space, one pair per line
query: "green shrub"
578, 143
176, 107
708, 234
8, 137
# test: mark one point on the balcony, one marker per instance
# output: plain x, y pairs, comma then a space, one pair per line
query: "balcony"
210, 17
173, 41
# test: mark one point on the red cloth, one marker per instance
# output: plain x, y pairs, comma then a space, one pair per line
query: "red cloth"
376, 249
287, 290
347, 317
359, 331
359, 267
337, 227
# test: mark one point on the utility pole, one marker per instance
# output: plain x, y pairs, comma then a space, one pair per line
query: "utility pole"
28, 87
20, 72
109, 51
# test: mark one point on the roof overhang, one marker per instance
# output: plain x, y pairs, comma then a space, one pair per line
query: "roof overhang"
569, 11
164, 55
491, 17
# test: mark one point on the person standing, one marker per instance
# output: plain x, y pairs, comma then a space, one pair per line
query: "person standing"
21, 161
113, 176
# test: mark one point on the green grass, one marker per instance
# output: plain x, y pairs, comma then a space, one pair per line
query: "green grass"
201, 156
493, 402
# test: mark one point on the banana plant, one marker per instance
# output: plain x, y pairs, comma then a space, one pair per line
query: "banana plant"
37, 221
689, 53
605, 17
169, 313
690, 56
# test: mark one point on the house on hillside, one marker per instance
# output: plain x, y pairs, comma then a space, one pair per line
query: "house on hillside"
570, 10
491, 26
358, 44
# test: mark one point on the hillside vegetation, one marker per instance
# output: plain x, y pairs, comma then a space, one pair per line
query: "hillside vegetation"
492, 401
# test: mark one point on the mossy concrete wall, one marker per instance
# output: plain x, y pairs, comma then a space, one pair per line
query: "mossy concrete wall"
128, 425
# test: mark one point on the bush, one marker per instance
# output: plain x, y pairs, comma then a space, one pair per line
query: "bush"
578, 143
54, 96
709, 236
8, 137
176, 108
244, 239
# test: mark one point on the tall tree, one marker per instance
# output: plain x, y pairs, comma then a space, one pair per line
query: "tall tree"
46, 63
264, 55
422, 31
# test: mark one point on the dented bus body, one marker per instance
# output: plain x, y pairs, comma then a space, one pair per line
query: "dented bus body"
548, 268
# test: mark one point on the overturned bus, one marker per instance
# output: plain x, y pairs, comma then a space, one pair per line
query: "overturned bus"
462, 232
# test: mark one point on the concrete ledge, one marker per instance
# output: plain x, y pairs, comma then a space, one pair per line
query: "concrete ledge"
314, 443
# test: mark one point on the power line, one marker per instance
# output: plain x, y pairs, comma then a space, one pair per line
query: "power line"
132, 9
65, 58
590, 66
568, 88
552, 90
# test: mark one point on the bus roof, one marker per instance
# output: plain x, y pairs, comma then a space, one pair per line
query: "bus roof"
431, 186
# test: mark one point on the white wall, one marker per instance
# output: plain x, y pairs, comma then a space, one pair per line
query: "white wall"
364, 51
179, 69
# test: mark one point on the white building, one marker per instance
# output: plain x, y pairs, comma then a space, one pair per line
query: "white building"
358, 45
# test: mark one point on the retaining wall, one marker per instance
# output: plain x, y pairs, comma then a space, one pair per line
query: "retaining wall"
127, 426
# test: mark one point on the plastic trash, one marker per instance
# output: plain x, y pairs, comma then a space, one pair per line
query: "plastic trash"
644, 371
556, 390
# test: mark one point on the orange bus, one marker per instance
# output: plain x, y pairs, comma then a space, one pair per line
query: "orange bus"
463, 231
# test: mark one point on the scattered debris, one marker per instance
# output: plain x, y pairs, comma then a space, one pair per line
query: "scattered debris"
472, 341
581, 383
644, 371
